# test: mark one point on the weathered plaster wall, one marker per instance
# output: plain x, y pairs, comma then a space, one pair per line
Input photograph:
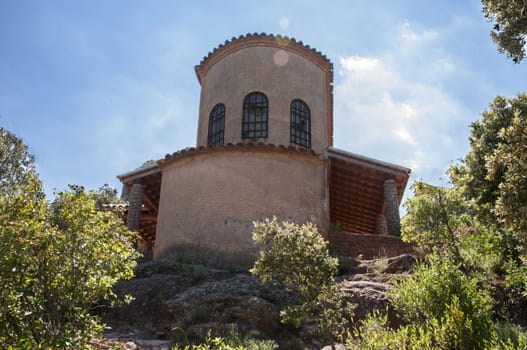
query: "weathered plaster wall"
280, 74
209, 201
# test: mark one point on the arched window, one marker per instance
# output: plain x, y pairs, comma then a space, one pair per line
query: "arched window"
216, 125
300, 123
255, 111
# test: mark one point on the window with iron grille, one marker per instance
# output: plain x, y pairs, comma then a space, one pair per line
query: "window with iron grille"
300, 123
216, 125
255, 116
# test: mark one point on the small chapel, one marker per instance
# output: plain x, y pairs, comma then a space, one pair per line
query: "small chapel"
264, 148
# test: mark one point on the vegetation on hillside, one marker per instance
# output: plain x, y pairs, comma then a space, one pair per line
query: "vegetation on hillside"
470, 290
58, 261
296, 258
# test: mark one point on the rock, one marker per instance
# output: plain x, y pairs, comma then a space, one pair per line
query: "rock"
334, 347
154, 344
170, 266
130, 345
370, 295
256, 312
212, 290
367, 296
397, 264
174, 299
235, 299
401, 263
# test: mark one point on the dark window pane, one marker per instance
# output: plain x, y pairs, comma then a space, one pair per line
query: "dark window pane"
300, 123
216, 125
255, 115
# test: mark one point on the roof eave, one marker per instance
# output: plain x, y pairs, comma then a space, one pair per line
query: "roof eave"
368, 162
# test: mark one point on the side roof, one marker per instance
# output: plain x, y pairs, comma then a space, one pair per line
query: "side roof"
356, 189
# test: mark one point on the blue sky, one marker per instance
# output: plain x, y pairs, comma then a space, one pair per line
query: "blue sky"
95, 88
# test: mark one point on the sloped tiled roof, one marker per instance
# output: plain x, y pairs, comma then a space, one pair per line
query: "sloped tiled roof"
356, 189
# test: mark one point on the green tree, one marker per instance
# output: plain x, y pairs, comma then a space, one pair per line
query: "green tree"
510, 26
105, 195
15, 161
440, 221
432, 214
492, 174
57, 263
509, 162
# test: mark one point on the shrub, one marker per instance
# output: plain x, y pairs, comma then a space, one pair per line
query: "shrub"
232, 342
296, 258
440, 297
56, 265
442, 308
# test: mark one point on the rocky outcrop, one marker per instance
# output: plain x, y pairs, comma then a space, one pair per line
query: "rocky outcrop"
240, 299
175, 301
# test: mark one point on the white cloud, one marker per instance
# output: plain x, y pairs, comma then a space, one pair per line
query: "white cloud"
407, 34
393, 105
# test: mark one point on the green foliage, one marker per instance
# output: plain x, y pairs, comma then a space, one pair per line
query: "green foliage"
440, 220
105, 195
296, 258
374, 334
216, 343
510, 161
287, 250
232, 342
440, 294
56, 265
333, 314
510, 27
443, 308
16, 164
448, 302
492, 174
432, 215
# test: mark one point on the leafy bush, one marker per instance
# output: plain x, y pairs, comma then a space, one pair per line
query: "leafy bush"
374, 334
440, 296
442, 308
232, 342
296, 258
56, 265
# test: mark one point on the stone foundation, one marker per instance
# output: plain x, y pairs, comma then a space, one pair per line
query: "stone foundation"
369, 246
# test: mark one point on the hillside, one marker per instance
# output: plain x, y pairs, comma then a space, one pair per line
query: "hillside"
179, 302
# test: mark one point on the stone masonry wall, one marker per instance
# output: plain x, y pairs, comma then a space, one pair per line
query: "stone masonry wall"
369, 246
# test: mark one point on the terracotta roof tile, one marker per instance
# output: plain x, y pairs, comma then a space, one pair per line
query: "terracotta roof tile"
246, 146
263, 39
277, 37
